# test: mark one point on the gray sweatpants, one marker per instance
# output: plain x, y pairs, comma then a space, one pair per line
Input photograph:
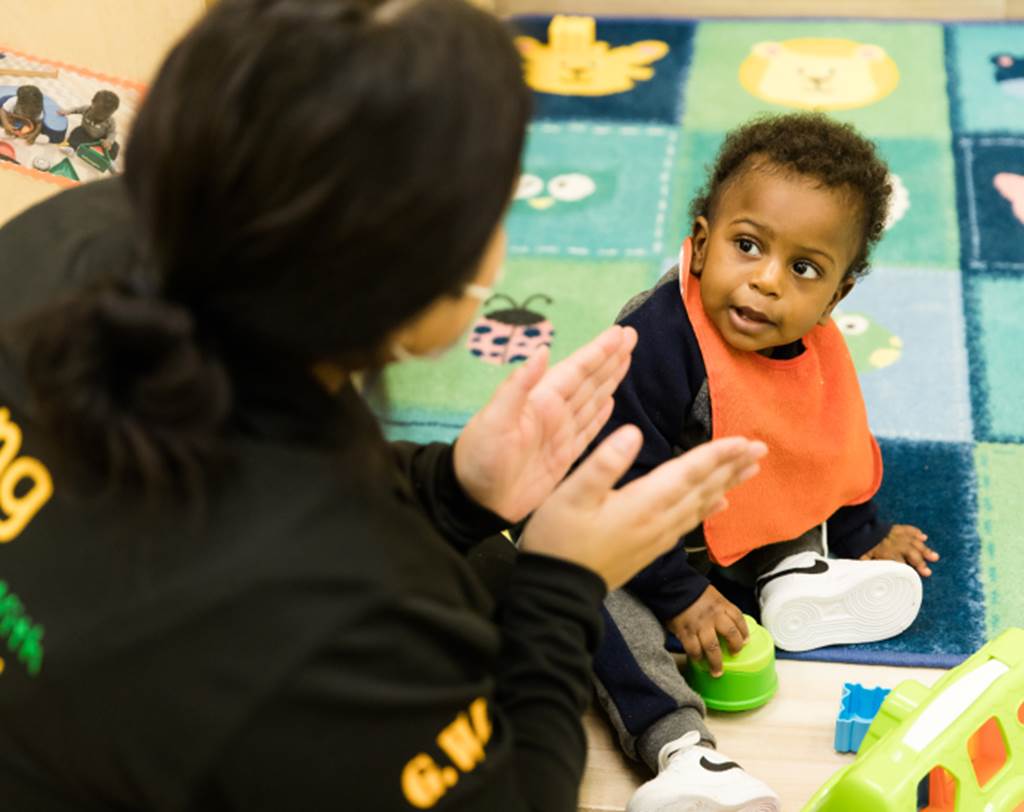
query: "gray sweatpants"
637, 679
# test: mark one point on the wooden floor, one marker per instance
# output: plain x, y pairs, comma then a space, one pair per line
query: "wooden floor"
788, 743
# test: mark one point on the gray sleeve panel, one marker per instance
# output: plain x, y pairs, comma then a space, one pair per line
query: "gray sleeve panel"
671, 275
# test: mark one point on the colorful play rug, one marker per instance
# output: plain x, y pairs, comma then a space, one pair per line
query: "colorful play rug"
628, 112
75, 142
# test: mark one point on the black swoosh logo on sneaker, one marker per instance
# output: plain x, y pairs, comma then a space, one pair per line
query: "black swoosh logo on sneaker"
818, 567
718, 767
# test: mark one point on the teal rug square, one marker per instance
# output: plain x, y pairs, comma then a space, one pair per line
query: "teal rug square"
593, 190
987, 96
998, 303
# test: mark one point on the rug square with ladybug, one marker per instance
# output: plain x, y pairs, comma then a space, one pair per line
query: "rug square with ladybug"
593, 190
987, 63
541, 301
886, 79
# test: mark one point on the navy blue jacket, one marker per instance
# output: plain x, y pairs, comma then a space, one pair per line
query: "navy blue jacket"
657, 395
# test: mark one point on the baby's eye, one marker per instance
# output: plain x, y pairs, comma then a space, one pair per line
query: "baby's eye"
805, 270
748, 247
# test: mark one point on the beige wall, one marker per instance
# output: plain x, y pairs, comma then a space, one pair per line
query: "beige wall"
126, 38
928, 9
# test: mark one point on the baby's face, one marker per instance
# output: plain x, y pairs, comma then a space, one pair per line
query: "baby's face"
772, 263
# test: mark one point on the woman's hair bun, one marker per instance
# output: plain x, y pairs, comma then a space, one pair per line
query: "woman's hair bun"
121, 380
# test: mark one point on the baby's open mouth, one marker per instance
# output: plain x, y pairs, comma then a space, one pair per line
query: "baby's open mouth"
750, 314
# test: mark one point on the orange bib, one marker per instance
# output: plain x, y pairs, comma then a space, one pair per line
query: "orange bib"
810, 412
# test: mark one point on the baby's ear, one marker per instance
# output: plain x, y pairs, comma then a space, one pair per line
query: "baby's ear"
841, 293
699, 235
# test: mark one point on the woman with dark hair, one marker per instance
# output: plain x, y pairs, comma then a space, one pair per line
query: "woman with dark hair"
221, 587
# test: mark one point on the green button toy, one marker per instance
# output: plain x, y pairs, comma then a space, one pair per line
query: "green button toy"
748, 678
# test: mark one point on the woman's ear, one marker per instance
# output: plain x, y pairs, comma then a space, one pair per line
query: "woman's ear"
700, 235
841, 292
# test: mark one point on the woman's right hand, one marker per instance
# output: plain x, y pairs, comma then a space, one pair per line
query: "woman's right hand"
616, 533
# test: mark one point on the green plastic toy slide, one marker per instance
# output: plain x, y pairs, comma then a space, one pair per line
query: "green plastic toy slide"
957, 746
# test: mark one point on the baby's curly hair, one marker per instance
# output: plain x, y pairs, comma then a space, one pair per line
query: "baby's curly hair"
814, 145
30, 101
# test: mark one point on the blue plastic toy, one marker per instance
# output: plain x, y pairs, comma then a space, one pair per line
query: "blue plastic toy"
857, 709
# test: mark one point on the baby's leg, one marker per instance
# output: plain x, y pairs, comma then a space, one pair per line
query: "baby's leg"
757, 562
639, 684
78, 137
660, 720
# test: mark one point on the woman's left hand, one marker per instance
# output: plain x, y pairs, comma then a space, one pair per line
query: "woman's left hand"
514, 451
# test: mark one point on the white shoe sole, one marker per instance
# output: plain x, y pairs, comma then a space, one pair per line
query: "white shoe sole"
865, 606
706, 805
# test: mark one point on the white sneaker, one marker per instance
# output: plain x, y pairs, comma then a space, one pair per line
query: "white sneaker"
808, 601
694, 778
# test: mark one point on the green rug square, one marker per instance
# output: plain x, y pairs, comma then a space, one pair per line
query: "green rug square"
924, 231
580, 299
1000, 471
740, 69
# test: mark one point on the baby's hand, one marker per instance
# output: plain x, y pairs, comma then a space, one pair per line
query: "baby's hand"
699, 625
907, 544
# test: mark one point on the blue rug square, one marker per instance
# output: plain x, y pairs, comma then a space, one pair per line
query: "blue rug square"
899, 323
625, 70
991, 170
931, 486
